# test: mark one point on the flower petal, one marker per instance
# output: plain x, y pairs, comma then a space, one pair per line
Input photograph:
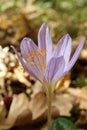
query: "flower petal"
75, 56
27, 46
63, 48
55, 68
29, 50
45, 41
34, 72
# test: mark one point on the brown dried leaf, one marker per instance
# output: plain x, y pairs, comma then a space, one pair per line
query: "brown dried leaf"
83, 54
36, 88
3, 110
81, 94
20, 76
63, 103
63, 84
38, 106
19, 112
82, 121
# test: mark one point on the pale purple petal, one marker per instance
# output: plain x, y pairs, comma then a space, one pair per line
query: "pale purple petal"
27, 46
45, 41
42, 37
57, 78
48, 45
60, 72
63, 48
34, 72
75, 56
55, 68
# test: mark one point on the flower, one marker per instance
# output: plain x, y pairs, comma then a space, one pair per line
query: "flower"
43, 63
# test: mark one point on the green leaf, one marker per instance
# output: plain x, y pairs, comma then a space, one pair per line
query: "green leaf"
62, 124
81, 81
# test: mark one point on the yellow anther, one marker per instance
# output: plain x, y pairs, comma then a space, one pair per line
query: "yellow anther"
42, 53
40, 56
31, 54
43, 67
31, 63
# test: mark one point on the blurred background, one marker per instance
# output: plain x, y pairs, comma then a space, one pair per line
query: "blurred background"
19, 18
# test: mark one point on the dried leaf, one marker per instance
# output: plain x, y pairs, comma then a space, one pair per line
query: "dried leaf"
63, 103
81, 94
3, 110
63, 84
38, 106
19, 112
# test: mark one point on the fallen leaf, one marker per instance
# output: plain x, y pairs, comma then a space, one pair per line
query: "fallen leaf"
19, 112
80, 93
63, 103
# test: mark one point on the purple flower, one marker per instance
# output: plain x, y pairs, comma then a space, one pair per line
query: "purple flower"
43, 63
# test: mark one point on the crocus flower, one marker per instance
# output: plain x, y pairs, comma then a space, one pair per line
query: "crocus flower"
44, 63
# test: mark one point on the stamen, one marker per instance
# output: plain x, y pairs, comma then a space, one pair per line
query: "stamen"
32, 63
44, 67
40, 56
42, 53
32, 55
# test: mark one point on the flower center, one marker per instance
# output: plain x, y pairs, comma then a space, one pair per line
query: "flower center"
37, 58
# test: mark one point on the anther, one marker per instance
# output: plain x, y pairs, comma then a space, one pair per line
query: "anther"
37, 55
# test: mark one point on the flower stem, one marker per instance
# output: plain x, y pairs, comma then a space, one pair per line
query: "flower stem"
49, 93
